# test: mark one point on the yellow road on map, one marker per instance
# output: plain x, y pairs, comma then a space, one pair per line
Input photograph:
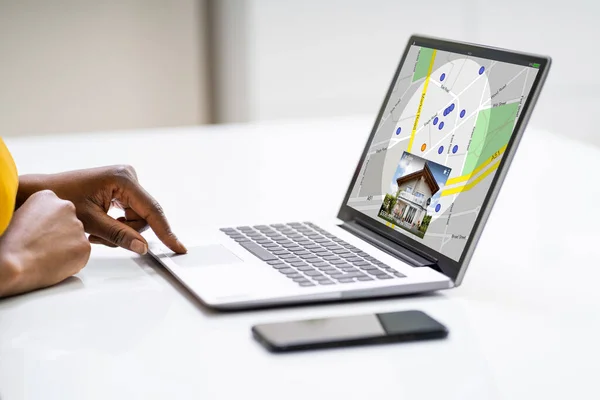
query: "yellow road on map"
471, 185
466, 177
426, 84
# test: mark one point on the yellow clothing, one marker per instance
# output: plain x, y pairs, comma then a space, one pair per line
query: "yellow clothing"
9, 182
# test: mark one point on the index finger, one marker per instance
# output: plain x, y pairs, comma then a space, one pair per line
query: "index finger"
140, 201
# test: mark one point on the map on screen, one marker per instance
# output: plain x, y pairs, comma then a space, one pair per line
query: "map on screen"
437, 147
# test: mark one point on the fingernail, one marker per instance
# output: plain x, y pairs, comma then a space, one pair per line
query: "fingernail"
182, 246
138, 247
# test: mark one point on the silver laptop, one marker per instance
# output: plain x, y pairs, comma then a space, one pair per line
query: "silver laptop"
425, 184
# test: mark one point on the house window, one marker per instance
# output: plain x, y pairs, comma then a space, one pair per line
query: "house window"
410, 215
419, 195
408, 189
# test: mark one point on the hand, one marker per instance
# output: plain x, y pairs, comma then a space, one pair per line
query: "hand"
94, 192
43, 245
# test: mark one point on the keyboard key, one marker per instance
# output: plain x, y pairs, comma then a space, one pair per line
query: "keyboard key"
299, 278
306, 256
365, 278
323, 253
293, 260
263, 241
330, 245
287, 256
245, 229
314, 260
348, 275
280, 252
346, 280
261, 227
327, 282
304, 242
301, 252
227, 230
399, 275
339, 251
384, 276
300, 264
337, 248
271, 246
321, 264
369, 267
338, 262
347, 255
241, 239
321, 278
361, 263
258, 251
278, 225
307, 283
354, 259
294, 224
313, 247
313, 273
331, 258
321, 240
330, 271
348, 269
288, 245
275, 262
287, 271
362, 254
305, 269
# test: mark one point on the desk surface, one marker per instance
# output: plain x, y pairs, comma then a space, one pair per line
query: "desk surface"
524, 324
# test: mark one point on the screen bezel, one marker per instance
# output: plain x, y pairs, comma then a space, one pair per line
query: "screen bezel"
451, 268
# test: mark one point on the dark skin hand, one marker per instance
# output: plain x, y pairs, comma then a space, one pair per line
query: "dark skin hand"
93, 192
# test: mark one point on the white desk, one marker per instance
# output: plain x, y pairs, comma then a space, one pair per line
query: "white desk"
524, 325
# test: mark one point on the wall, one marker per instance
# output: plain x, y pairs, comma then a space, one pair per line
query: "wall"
85, 65
319, 58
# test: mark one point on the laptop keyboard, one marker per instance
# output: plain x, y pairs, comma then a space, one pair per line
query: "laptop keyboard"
309, 255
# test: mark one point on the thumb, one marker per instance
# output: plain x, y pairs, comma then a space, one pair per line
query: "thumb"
116, 232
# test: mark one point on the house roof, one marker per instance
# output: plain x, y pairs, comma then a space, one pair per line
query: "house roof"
426, 174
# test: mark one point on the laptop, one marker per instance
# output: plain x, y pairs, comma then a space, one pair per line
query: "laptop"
416, 206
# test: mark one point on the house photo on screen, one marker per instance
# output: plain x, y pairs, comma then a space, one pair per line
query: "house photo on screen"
414, 193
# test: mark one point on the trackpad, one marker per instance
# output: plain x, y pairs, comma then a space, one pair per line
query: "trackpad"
199, 256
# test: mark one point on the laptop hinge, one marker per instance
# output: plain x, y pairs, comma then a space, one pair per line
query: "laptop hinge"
388, 246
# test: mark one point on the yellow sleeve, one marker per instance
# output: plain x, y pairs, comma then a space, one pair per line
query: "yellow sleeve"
9, 182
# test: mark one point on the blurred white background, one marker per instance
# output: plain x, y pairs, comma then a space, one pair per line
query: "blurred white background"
85, 65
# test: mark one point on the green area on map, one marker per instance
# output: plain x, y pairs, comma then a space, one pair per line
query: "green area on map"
423, 63
492, 132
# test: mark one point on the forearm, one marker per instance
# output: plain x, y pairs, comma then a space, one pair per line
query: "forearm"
28, 185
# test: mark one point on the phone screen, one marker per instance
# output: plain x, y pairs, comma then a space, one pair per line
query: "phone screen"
367, 328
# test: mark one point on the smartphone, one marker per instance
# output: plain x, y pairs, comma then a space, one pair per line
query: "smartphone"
348, 330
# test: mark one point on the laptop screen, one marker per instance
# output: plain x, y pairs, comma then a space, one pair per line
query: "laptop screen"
438, 144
